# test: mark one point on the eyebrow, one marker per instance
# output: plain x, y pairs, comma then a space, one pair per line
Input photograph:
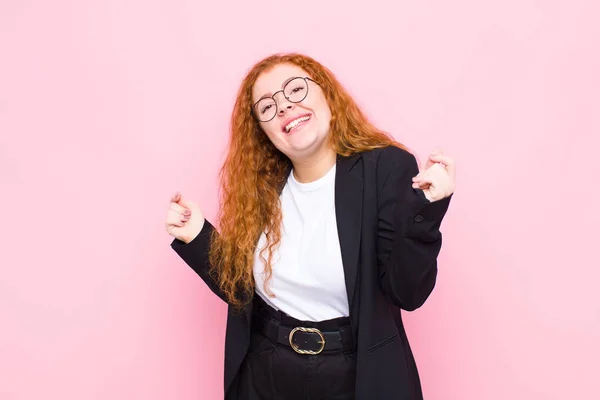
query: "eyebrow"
266, 96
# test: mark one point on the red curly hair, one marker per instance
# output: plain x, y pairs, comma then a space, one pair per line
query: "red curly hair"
255, 171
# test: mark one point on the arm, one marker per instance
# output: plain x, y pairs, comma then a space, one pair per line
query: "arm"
409, 239
195, 254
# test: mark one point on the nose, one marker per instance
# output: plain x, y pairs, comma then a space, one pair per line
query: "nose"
283, 105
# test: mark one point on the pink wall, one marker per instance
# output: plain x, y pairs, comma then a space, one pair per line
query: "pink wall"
107, 107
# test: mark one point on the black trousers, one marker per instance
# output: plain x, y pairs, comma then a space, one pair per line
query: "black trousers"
273, 370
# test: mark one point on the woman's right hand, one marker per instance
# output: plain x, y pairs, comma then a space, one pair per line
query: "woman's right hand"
184, 219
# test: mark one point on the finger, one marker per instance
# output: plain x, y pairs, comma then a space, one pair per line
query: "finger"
440, 158
438, 167
424, 179
173, 215
184, 203
421, 185
174, 218
428, 164
437, 151
448, 162
431, 168
436, 175
421, 175
425, 183
178, 198
421, 180
177, 223
179, 209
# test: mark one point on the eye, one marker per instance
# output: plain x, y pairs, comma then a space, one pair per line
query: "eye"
297, 89
266, 108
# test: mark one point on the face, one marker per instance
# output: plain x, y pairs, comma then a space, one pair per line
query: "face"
298, 129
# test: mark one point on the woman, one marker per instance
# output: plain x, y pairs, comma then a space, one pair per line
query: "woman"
327, 231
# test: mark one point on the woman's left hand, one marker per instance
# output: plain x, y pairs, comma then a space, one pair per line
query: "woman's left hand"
437, 178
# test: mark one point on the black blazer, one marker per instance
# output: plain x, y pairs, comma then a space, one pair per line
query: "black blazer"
390, 239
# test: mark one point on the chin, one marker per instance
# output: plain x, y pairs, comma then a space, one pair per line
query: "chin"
307, 147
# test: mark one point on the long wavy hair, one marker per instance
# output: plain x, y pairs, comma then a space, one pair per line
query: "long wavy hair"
255, 171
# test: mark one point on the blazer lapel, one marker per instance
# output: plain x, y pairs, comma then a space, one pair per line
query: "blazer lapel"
348, 208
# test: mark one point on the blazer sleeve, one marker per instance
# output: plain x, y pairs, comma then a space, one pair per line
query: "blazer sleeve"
409, 238
195, 254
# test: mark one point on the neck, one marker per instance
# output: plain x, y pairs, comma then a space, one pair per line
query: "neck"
315, 166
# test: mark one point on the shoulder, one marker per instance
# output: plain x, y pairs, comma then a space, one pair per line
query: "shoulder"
390, 158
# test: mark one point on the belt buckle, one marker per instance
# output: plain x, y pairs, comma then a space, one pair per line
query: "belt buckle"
308, 330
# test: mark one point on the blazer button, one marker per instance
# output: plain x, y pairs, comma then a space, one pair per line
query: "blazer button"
419, 218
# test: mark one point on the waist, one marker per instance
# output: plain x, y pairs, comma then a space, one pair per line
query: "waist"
304, 337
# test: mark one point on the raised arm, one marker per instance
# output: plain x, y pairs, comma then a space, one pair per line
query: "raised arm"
192, 233
409, 237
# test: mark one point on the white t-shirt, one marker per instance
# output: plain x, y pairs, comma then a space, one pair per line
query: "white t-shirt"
308, 276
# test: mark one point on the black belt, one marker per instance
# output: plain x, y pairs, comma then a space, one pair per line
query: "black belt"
304, 339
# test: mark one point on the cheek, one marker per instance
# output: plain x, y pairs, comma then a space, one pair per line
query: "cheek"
324, 114
323, 107
271, 130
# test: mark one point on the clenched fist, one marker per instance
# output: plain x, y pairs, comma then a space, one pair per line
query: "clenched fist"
184, 219
437, 178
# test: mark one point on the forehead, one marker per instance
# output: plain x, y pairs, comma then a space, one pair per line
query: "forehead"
271, 80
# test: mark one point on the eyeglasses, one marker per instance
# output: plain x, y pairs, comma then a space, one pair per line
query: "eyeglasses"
294, 91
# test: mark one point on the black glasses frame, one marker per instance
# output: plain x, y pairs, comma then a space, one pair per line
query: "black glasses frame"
305, 78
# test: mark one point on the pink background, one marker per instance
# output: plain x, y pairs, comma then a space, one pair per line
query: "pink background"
107, 107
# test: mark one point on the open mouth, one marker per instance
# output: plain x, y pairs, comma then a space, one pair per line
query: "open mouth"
294, 124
